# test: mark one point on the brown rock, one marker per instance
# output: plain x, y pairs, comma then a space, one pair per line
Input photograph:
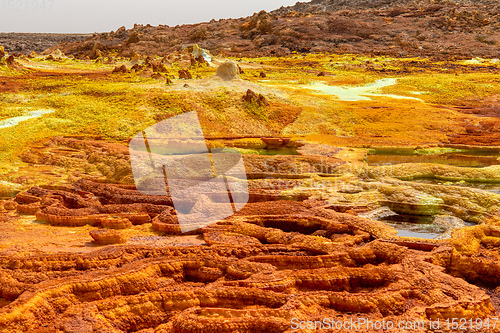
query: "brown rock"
10, 205
252, 97
96, 51
158, 76
185, 74
12, 63
115, 222
167, 222
110, 61
193, 60
166, 62
201, 60
173, 57
262, 74
273, 142
137, 67
120, 30
134, 38
120, 69
95, 54
159, 67
270, 262
198, 34
312, 26
147, 73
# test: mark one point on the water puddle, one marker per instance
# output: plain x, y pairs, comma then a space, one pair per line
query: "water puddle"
414, 226
11, 122
270, 152
458, 157
362, 93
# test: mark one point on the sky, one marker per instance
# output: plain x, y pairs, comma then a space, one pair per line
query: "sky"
84, 16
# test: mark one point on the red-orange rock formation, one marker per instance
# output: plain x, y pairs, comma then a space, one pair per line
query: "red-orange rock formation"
12, 63
105, 237
94, 204
256, 274
272, 261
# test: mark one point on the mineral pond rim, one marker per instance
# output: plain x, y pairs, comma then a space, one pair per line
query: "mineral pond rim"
325, 160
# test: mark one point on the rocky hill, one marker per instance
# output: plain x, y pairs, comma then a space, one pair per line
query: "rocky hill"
318, 6
441, 29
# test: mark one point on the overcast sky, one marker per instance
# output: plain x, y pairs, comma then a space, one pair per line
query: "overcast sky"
106, 15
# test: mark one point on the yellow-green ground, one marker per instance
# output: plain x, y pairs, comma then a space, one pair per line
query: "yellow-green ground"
88, 101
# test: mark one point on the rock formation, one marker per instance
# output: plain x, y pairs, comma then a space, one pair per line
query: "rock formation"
120, 69
282, 264
185, 74
228, 71
252, 97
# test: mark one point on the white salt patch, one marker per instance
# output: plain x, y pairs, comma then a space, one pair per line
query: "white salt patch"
10, 122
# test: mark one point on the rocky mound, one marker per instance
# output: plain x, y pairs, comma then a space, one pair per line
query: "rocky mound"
228, 71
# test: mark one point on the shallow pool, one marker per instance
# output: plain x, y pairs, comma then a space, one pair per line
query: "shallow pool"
414, 226
462, 158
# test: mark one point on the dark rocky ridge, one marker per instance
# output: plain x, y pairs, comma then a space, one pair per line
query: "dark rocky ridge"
25, 43
318, 6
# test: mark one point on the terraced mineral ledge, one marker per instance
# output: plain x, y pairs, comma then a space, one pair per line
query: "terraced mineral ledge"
374, 190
